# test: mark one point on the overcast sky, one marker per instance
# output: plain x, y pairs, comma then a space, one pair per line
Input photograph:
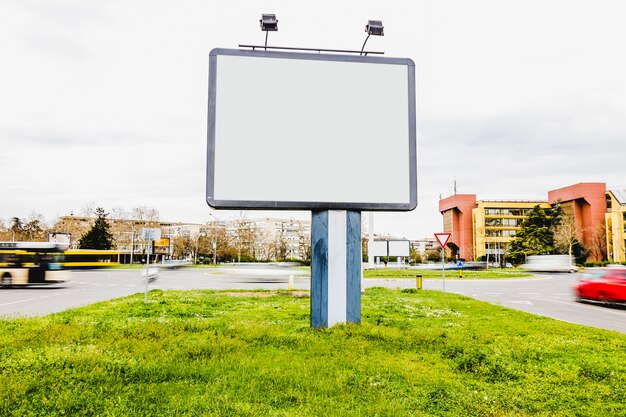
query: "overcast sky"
105, 102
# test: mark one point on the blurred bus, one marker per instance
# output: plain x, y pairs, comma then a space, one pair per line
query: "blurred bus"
90, 258
24, 263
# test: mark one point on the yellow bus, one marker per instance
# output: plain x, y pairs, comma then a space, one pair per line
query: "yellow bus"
24, 263
90, 258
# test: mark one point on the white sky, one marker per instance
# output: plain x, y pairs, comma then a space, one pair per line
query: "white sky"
105, 102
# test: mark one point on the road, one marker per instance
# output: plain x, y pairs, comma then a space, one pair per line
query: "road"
546, 295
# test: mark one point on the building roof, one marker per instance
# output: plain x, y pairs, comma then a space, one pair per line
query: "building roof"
620, 196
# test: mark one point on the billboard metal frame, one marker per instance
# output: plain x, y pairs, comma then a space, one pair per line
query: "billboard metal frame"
310, 205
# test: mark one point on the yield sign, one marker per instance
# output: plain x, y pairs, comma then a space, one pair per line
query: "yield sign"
442, 238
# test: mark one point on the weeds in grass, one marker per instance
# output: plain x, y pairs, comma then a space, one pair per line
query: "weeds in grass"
249, 354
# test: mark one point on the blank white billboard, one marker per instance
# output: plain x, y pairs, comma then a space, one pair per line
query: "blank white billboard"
310, 131
399, 248
377, 248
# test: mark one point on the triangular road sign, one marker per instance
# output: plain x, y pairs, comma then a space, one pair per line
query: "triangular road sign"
442, 238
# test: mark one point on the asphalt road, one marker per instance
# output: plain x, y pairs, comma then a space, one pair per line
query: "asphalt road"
546, 295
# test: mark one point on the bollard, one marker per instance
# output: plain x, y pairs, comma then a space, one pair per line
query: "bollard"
418, 281
290, 286
460, 273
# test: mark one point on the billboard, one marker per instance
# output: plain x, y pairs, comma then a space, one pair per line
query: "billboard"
399, 248
310, 131
58, 237
377, 248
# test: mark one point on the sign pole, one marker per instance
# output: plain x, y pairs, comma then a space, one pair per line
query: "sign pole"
443, 269
145, 295
149, 235
442, 238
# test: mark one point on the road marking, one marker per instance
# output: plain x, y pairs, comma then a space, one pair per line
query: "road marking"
594, 307
17, 302
522, 302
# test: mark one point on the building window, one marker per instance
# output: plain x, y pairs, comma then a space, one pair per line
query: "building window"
493, 222
493, 233
512, 222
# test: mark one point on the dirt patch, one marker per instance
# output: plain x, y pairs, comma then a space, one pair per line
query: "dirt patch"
264, 294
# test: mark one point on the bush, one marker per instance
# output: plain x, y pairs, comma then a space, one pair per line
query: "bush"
595, 264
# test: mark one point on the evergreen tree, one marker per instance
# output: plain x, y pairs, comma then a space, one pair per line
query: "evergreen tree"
98, 237
536, 236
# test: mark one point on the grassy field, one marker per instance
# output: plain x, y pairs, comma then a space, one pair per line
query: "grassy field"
211, 353
494, 273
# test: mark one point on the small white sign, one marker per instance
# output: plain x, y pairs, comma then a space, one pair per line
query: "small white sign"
150, 233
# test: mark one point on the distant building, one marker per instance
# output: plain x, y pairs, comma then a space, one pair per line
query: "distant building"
486, 227
421, 246
263, 238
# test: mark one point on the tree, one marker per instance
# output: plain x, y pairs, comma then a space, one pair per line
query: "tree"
566, 236
433, 255
16, 229
598, 243
536, 235
35, 228
184, 247
98, 237
245, 237
4, 233
414, 256
305, 244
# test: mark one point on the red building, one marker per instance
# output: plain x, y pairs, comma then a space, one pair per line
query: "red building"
481, 227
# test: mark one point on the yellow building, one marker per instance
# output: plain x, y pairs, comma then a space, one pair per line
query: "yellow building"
496, 222
616, 225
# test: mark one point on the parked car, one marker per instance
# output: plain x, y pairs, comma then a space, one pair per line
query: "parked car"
607, 285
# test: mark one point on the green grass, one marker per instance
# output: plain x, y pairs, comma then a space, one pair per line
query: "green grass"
196, 353
495, 273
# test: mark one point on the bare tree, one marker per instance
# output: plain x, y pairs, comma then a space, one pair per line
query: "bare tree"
280, 244
566, 235
118, 213
147, 216
35, 228
88, 209
598, 242
305, 243
143, 217
4, 232
245, 236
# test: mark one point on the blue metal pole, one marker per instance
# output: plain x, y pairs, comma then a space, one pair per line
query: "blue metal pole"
335, 267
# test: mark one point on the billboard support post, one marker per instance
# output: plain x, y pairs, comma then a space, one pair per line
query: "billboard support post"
335, 267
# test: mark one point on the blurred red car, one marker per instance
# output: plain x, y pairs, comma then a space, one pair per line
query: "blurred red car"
605, 284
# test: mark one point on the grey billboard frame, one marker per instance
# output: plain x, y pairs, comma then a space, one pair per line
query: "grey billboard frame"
309, 205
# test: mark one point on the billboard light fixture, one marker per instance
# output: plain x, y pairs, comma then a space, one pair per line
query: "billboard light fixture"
373, 27
269, 23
